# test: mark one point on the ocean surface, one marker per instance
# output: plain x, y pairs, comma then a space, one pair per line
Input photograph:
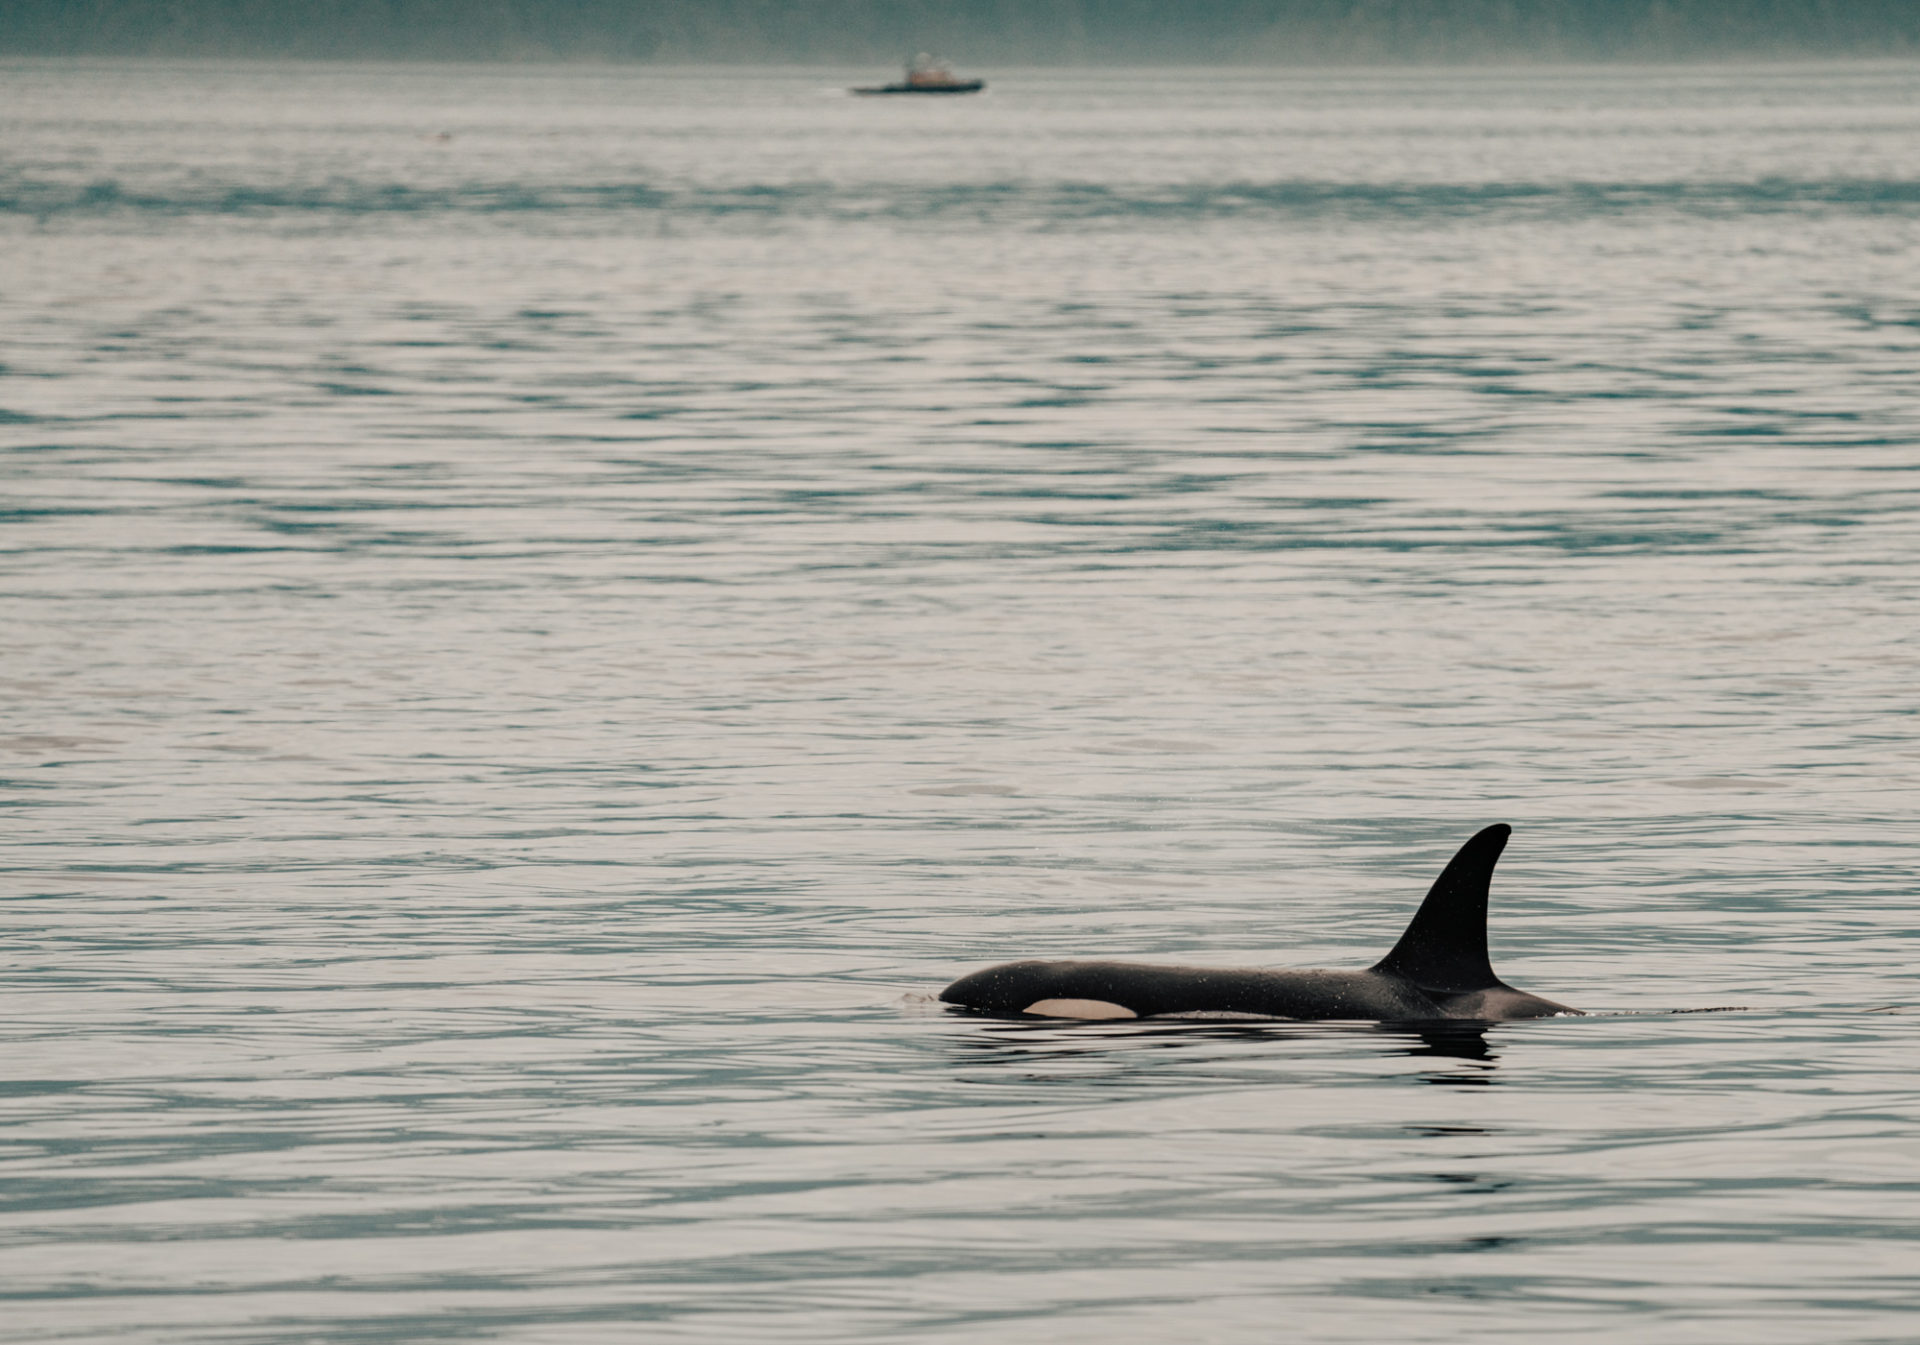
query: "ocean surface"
545, 612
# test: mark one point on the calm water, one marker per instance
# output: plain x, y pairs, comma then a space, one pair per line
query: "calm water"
548, 611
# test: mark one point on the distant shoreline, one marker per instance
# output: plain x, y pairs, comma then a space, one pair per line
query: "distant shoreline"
979, 34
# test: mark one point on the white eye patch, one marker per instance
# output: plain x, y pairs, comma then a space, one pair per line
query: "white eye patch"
1078, 1008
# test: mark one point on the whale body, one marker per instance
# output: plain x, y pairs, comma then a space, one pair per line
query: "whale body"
1438, 970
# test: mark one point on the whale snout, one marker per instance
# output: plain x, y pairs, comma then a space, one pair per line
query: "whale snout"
1007, 988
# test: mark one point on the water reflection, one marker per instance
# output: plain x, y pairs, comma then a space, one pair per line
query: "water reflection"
1054, 1044
1455, 1041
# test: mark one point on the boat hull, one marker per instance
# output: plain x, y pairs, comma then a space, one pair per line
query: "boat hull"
962, 86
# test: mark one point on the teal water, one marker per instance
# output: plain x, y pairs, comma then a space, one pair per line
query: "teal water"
548, 611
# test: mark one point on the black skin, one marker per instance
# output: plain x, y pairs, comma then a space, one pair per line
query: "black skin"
1438, 970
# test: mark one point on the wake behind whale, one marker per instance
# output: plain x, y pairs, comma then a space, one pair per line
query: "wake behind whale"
1438, 970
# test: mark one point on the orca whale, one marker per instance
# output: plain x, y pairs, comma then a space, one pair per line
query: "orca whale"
1438, 970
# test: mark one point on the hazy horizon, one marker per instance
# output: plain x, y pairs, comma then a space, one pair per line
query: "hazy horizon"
1280, 33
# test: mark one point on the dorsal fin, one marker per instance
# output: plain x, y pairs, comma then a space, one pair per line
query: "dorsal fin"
1445, 948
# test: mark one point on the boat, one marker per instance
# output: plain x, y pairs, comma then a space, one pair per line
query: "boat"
927, 75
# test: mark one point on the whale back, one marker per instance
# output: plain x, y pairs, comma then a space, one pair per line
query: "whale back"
1439, 969
1444, 950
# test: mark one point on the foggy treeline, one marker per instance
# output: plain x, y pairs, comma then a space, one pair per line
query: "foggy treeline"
975, 33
